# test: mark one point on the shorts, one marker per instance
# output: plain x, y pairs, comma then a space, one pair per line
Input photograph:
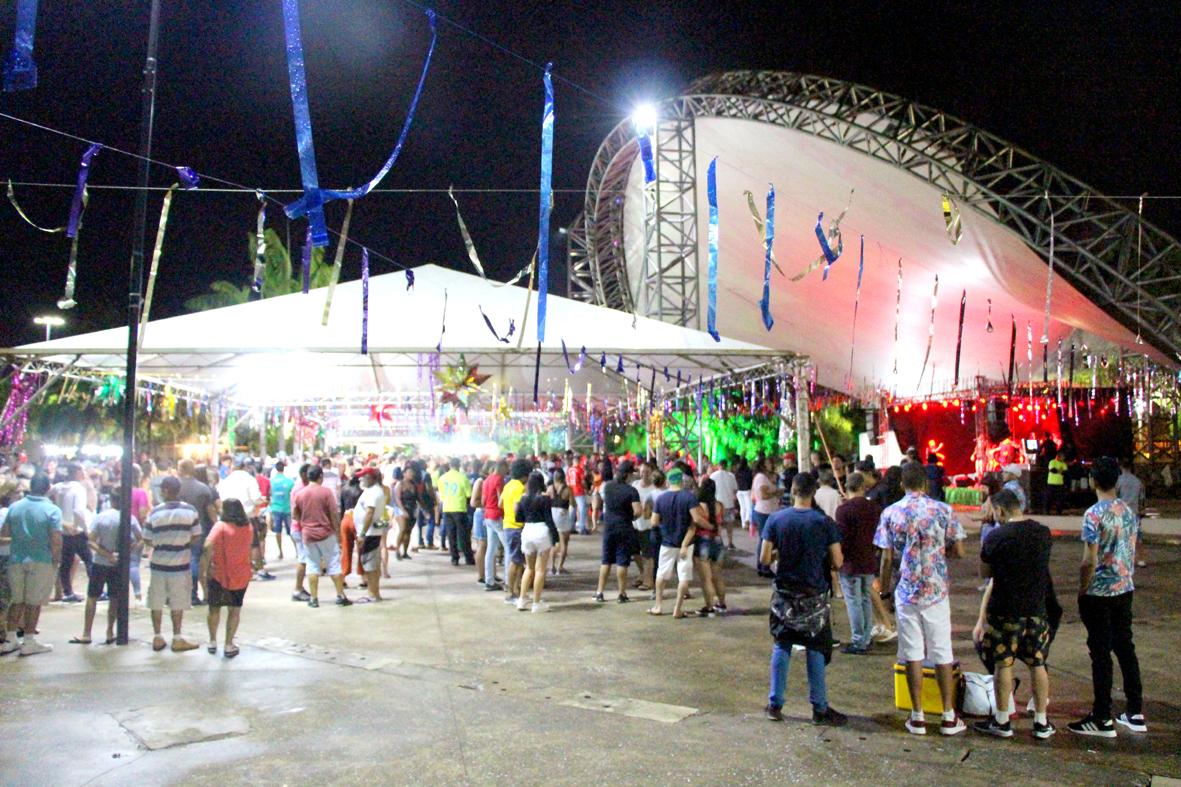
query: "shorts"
924, 633
326, 550
1025, 638
670, 560
218, 596
301, 553
280, 521
5, 588
710, 549
174, 588
562, 520
617, 545
512, 545
535, 538
479, 532
104, 576
32, 583
371, 553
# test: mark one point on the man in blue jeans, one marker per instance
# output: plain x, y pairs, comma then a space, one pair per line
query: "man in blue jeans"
808, 545
857, 521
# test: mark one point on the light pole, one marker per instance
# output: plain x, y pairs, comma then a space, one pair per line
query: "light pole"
50, 321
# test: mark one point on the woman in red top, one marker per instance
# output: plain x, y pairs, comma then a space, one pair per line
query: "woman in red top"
227, 563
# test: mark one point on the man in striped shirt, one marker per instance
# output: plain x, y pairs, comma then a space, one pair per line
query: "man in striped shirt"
172, 530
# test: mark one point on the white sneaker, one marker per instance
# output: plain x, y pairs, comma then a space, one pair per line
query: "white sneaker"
889, 635
876, 631
32, 647
9, 646
522, 604
540, 606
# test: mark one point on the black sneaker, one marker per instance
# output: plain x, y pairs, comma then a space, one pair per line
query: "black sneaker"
1043, 731
991, 726
829, 717
599, 598
773, 713
342, 601
493, 588
1133, 721
623, 599
1089, 725
314, 603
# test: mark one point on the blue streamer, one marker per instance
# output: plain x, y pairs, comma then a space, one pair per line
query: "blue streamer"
512, 327
189, 179
79, 204
646, 157
768, 242
712, 192
20, 71
364, 300
409, 279
307, 262
547, 197
619, 365
304, 204
581, 359
856, 308
313, 200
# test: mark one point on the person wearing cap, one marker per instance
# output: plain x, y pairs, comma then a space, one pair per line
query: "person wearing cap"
673, 514
621, 506
1012, 478
369, 518
172, 530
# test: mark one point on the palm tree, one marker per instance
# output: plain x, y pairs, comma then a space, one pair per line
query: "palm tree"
279, 278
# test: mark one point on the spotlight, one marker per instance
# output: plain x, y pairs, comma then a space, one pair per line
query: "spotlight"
644, 118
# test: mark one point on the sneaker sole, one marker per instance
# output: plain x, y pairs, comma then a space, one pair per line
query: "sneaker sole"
1094, 733
952, 732
917, 730
995, 733
1041, 736
1132, 727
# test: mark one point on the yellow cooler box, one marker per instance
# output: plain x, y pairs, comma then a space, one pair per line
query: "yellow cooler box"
932, 701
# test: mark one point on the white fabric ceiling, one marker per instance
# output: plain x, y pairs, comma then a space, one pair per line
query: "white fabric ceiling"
900, 216
275, 351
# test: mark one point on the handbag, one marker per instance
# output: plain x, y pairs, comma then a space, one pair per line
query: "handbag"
801, 613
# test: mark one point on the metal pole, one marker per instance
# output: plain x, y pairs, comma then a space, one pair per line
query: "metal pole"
134, 306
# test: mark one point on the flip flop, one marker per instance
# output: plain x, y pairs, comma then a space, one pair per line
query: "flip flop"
231, 651
654, 613
366, 600
79, 641
109, 641
212, 648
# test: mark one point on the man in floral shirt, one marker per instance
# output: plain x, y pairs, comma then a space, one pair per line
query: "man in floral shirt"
923, 532
1110, 531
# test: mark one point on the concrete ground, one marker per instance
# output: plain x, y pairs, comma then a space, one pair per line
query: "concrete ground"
445, 684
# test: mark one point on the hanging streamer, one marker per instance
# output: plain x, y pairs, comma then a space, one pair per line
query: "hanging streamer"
145, 315
897, 314
711, 317
619, 365
931, 331
314, 198
959, 338
1049, 275
645, 143
20, 70
409, 279
536, 372
768, 255
831, 244
1060, 376
1029, 353
988, 328
467, 238
578, 364
951, 219
364, 295
547, 200
306, 261
512, 327
20, 212
443, 327
760, 226
340, 246
856, 308
77, 208
1012, 354
260, 248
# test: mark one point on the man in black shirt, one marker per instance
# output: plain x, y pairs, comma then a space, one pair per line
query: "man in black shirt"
1014, 623
745, 479
621, 506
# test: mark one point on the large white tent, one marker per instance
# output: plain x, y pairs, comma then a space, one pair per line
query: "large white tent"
277, 352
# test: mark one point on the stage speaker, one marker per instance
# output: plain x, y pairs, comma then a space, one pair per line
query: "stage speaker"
998, 420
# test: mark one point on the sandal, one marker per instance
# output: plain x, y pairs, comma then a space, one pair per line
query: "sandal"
231, 651
79, 640
212, 647
655, 612
158, 643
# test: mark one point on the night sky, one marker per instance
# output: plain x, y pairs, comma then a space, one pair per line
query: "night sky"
1092, 90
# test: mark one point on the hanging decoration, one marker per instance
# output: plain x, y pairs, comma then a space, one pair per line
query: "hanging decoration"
897, 315
1059, 374
547, 200
409, 280
336, 264
77, 208
760, 226
831, 244
951, 219
768, 253
1012, 381
188, 181
20, 212
989, 328
260, 248
581, 359
856, 308
712, 195
1049, 274
16, 410
20, 70
512, 327
646, 157
959, 337
1029, 353
443, 326
110, 392
306, 262
312, 202
930, 331
364, 292
467, 238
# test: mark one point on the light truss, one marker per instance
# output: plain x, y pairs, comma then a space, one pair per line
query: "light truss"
1126, 266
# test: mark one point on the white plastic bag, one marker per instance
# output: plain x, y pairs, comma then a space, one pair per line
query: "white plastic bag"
980, 695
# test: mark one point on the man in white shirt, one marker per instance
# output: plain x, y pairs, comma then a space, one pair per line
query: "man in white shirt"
241, 485
726, 488
646, 558
827, 496
72, 498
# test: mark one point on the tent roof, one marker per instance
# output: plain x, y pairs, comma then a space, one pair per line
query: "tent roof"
275, 351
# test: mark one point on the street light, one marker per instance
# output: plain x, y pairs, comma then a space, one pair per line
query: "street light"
644, 118
50, 321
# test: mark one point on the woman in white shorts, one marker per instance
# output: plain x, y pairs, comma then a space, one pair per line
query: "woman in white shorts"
563, 500
535, 511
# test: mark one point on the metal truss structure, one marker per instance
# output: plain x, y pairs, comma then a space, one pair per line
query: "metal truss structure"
1124, 265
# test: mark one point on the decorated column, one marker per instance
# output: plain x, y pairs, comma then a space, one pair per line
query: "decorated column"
803, 422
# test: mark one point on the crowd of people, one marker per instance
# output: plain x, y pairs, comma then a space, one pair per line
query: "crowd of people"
879, 540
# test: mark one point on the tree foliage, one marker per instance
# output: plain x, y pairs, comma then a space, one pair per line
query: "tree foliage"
280, 276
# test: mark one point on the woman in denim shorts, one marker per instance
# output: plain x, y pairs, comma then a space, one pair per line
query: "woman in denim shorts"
707, 516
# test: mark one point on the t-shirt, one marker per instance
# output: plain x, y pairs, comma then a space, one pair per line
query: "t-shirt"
1114, 527
802, 537
534, 509
243, 487
372, 499
1019, 555
317, 511
171, 528
1057, 474
513, 492
455, 490
1015, 487
139, 500
331, 481
744, 478
764, 506
105, 531
676, 516
264, 486
490, 496
617, 504
229, 554
1129, 489
726, 488
919, 530
857, 519
647, 494
32, 520
828, 499
576, 480
73, 500
281, 487
200, 496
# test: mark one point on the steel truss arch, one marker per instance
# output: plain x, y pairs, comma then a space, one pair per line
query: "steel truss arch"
1096, 239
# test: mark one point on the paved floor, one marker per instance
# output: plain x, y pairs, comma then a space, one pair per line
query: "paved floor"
444, 684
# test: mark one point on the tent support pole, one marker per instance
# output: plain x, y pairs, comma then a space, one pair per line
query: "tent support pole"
803, 419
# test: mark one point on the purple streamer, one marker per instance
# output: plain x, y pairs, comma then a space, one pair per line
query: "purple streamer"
20, 70
581, 358
512, 327
189, 179
619, 365
409, 279
83, 175
364, 300
307, 262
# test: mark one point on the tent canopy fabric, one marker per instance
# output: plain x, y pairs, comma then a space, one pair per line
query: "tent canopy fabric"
275, 351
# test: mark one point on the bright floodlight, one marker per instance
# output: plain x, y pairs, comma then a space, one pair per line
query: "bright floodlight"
644, 118
50, 321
